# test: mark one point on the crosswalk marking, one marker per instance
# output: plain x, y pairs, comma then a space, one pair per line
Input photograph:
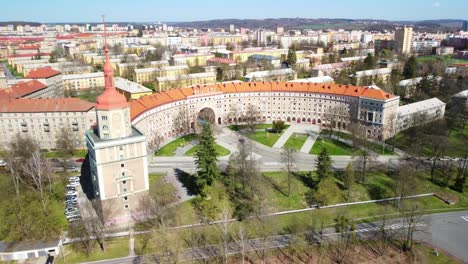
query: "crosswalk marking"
465, 218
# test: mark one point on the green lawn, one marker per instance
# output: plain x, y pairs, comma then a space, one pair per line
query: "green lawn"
277, 191
334, 147
426, 254
89, 95
339, 134
296, 141
264, 137
372, 146
455, 146
220, 150
379, 150
80, 153
445, 58
115, 248
169, 149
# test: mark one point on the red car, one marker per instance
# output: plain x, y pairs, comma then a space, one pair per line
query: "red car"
80, 160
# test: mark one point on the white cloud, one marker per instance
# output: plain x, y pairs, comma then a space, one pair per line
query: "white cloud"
436, 4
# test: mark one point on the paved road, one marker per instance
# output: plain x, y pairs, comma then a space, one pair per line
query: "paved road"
8, 74
447, 231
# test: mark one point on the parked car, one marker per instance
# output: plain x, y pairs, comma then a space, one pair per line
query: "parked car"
80, 160
74, 184
3, 163
74, 193
55, 160
72, 168
72, 216
74, 179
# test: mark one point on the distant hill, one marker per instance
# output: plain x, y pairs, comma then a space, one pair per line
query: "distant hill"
324, 23
15, 23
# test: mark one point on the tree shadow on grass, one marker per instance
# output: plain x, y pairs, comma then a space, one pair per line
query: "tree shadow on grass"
188, 180
275, 185
305, 178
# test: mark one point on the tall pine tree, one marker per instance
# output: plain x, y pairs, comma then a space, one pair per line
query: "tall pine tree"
291, 59
411, 68
206, 159
324, 165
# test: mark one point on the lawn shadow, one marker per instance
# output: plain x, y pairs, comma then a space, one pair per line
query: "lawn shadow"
306, 179
188, 180
275, 185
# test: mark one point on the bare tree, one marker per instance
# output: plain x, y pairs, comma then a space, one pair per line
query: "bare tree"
241, 241
182, 121
234, 115
339, 248
288, 159
83, 239
38, 172
66, 143
224, 230
251, 116
412, 224
155, 142
363, 156
405, 181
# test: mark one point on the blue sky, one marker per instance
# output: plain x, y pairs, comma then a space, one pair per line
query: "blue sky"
191, 10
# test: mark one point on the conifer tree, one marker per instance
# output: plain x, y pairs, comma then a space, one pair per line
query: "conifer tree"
324, 165
206, 159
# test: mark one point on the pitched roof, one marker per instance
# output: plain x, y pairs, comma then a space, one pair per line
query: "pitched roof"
24, 105
45, 72
137, 107
21, 89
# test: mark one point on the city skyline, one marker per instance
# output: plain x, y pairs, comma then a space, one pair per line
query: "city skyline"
145, 11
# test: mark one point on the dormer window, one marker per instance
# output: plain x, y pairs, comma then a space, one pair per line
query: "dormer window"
104, 118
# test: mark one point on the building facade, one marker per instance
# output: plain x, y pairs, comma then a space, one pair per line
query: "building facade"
117, 155
44, 119
403, 40
309, 103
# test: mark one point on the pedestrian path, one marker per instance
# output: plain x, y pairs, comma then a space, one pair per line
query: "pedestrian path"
180, 151
131, 244
309, 143
296, 128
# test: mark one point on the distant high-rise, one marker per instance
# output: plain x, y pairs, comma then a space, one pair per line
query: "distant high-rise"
232, 29
465, 26
261, 37
279, 30
403, 39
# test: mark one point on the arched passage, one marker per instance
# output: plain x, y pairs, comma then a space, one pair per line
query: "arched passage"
206, 115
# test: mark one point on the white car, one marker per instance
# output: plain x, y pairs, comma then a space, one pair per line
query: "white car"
71, 193
73, 184
3, 163
74, 179
73, 216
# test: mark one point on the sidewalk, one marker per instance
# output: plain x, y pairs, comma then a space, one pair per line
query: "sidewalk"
300, 129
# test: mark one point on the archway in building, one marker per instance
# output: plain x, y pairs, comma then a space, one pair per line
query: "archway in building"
206, 115
219, 74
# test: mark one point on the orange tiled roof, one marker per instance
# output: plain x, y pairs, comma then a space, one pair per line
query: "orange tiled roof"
21, 89
24, 105
145, 103
45, 72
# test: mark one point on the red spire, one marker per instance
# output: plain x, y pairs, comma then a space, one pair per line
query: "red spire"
110, 99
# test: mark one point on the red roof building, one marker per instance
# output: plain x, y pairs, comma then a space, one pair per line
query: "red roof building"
25, 105
42, 73
21, 89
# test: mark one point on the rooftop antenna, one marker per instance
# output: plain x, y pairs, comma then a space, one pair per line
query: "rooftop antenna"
105, 34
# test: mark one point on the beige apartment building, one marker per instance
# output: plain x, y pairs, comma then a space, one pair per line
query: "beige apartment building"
171, 82
44, 119
320, 104
243, 55
403, 40
147, 75
191, 59
83, 81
